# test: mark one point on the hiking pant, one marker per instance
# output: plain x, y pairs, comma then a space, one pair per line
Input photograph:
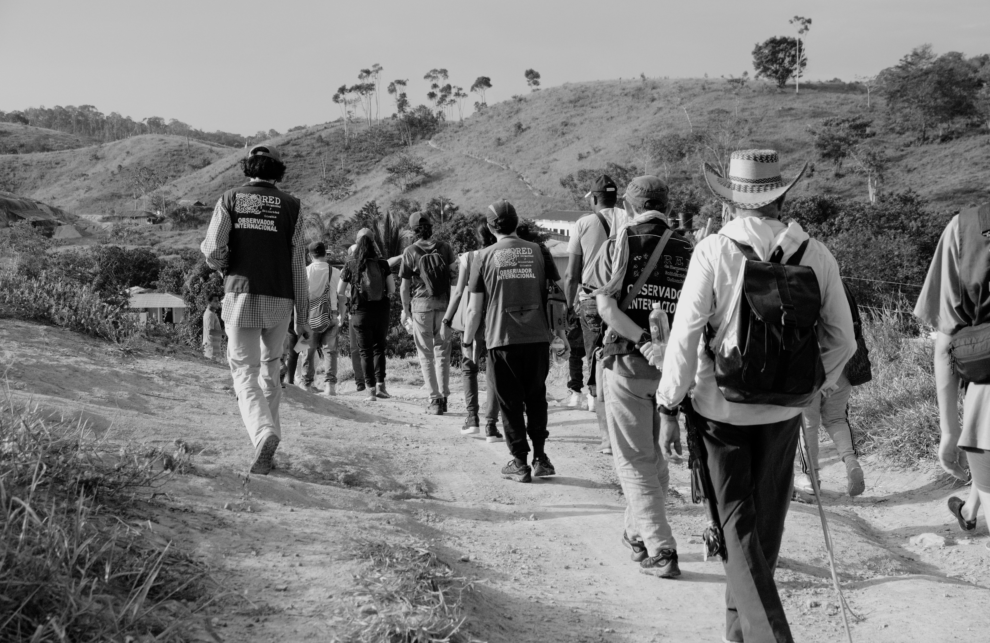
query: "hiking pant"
751, 475
469, 378
356, 364
211, 349
575, 363
327, 341
591, 327
290, 358
634, 427
520, 380
254, 355
372, 330
832, 413
434, 353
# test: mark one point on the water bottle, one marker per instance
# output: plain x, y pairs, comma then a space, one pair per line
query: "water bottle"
408, 325
660, 332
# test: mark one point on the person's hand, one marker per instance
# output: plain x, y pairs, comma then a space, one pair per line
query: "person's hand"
646, 350
303, 329
949, 456
445, 333
670, 435
403, 317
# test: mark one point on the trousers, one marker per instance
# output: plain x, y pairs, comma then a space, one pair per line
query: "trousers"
575, 363
591, 328
356, 364
751, 474
832, 413
520, 372
254, 355
327, 341
372, 330
469, 378
434, 353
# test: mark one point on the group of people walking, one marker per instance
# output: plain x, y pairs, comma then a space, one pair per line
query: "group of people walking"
761, 336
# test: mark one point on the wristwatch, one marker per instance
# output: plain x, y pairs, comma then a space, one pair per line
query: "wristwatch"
668, 411
447, 322
645, 338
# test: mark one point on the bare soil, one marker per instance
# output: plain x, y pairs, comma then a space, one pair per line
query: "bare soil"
546, 557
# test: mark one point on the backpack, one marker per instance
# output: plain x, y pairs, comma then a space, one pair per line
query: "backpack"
372, 281
858, 369
767, 352
433, 271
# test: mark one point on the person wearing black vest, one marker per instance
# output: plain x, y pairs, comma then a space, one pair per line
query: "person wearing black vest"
644, 267
255, 240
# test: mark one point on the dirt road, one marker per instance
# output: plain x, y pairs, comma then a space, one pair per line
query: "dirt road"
546, 556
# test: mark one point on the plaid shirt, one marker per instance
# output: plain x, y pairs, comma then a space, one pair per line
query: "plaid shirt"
245, 310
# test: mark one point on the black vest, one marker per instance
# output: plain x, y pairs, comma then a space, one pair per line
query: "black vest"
663, 286
263, 221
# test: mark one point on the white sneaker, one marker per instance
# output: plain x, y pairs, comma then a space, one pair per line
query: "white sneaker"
591, 402
802, 482
329, 389
574, 401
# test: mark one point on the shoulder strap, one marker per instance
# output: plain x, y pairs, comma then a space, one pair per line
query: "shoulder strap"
746, 250
797, 256
604, 222
647, 271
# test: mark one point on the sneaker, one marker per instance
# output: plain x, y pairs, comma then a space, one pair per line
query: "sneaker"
592, 402
574, 400
607, 450
542, 467
329, 389
381, 392
443, 405
360, 387
518, 473
664, 564
471, 425
303, 385
263, 456
492, 435
638, 548
802, 483
372, 397
855, 484
435, 407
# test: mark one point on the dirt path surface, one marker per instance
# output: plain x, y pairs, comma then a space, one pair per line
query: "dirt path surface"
546, 556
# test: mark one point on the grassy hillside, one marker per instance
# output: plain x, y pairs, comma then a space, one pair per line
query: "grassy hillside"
23, 139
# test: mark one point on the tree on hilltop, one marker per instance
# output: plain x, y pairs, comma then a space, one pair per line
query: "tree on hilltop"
374, 75
777, 59
532, 79
803, 25
458, 96
438, 93
480, 86
397, 89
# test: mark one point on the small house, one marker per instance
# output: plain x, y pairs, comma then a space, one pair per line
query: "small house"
161, 307
559, 221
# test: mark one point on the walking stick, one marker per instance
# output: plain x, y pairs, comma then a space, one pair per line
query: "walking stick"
843, 606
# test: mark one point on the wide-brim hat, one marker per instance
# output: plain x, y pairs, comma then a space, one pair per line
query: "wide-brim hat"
754, 179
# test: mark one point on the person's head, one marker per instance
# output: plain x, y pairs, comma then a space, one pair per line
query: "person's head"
484, 235
645, 194
502, 218
525, 232
421, 225
213, 302
753, 187
365, 250
317, 251
263, 163
603, 193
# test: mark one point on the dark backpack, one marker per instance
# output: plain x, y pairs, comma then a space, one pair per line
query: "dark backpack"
768, 351
433, 271
372, 281
858, 369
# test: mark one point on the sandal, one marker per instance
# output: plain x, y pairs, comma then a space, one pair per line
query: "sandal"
955, 507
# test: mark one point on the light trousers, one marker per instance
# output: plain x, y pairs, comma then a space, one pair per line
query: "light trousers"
254, 355
832, 413
434, 353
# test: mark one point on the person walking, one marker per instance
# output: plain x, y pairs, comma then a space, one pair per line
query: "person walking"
750, 444
631, 289
255, 239
212, 330
956, 302
356, 367
475, 355
371, 287
323, 318
589, 236
508, 288
428, 267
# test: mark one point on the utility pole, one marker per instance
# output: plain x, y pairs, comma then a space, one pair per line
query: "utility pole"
803, 25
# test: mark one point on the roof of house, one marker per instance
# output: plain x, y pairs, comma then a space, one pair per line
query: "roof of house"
23, 208
156, 300
561, 215
66, 232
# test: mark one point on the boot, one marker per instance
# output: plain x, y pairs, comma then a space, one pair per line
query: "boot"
855, 484
381, 392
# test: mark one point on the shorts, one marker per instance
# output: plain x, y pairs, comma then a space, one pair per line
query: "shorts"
979, 468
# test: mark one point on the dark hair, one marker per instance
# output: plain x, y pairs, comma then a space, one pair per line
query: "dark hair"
366, 250
424, 230
504, 226
263, 167
606, 199
525, 232
485, 236
213, 298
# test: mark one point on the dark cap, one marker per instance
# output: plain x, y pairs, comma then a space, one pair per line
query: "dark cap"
647, 188
603, 184
502, 212
264, 150
417, 219
317, 249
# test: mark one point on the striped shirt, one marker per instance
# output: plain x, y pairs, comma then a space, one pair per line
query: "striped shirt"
245, 310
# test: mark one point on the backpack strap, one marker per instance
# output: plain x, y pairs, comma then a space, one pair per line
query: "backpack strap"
647, 270
795, 259
746, 250
604, 222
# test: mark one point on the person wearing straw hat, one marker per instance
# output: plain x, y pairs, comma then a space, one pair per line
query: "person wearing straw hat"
750, 447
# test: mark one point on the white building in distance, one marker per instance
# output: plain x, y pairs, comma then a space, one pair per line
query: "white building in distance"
559, 221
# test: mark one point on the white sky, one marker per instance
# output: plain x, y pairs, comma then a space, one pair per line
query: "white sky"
249, 65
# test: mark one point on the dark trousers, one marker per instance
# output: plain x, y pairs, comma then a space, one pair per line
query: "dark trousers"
575, 364
751, 473
371, 329
469, 378
356, 364
591, 326
290, 358
520, 372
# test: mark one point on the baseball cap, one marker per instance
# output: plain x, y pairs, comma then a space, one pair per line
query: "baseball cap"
502, 211
365, 232
317, 249
418, 218
264, 150
646, 188
603, 183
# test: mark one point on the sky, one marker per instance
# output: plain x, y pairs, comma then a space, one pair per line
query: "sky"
249, 65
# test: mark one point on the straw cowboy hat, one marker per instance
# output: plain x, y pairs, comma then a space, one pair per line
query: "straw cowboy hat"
754, 179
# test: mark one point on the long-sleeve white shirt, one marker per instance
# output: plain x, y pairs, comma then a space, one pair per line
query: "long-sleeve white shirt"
713, 281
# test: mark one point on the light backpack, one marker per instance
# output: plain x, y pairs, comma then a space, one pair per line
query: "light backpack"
767, 351
433, 271
372, 281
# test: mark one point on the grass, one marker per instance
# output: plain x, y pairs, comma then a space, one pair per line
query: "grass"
404, 595
71, 567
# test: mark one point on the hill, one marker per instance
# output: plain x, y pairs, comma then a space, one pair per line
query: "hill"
25, 139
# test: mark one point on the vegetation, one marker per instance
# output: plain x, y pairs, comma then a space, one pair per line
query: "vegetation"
778, 59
